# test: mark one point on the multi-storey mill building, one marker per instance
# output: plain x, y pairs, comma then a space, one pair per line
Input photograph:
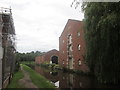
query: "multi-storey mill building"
72, 46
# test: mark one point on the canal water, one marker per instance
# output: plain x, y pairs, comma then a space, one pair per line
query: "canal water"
69, 80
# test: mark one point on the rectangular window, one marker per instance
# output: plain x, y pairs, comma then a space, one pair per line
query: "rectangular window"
70, 48
78, 34
1, 52
79, 62
63, 61
69, 39
79, 47
0, 39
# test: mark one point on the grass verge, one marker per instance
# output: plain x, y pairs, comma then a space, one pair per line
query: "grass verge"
37, 79
28, 62
14, 82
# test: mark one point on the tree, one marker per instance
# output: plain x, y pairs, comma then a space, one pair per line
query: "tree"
30, 56
102, 31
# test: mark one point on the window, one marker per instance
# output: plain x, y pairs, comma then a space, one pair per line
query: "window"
80, 84
79, 47
63, 61
63, 41
79, 62
70, 48
63, 52
1, 52
78, 34
0, 39
70, 39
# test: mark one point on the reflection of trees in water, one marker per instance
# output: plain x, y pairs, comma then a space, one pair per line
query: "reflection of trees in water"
54, 73
67, 80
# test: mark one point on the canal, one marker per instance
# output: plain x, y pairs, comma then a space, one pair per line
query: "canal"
69, 80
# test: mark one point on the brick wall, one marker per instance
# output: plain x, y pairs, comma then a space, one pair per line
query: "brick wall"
69, 41
47, 56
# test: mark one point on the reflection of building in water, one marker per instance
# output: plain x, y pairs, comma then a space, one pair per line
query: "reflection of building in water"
50, 57
80, 84
72, 46
66, 80
71, 80
54, 73
52, 76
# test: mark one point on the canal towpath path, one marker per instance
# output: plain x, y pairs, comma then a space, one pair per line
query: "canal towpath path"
26, 81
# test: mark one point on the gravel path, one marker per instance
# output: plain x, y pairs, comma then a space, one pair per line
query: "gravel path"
26, 81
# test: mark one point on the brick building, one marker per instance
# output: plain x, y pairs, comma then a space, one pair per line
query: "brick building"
72, 46
39, 59
51, 56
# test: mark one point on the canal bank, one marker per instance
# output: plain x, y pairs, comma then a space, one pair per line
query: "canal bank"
63, 79
31, 79
57, 67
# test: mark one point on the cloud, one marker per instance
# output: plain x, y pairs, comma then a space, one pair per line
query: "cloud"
39, 23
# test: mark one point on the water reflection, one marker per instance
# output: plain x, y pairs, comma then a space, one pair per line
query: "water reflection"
57, 83
67, 80
54, 73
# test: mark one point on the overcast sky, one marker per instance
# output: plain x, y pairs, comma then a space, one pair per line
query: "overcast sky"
39, 23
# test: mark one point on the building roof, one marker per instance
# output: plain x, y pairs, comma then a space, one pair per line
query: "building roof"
52, 50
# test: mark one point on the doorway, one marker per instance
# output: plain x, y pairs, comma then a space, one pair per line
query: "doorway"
54, 59
70, 63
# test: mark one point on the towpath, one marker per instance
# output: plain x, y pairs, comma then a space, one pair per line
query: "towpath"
26, 81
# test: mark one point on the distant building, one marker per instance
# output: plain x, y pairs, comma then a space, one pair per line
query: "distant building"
72, 46
51, 56
39, 59
7, 46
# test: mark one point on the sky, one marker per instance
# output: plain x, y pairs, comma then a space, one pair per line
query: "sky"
39, 23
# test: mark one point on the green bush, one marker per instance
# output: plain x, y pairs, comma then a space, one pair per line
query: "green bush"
14, 82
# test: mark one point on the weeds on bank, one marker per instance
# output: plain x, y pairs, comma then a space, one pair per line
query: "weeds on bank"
37, 79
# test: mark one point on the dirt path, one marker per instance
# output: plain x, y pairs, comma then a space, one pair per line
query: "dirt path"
26, 81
